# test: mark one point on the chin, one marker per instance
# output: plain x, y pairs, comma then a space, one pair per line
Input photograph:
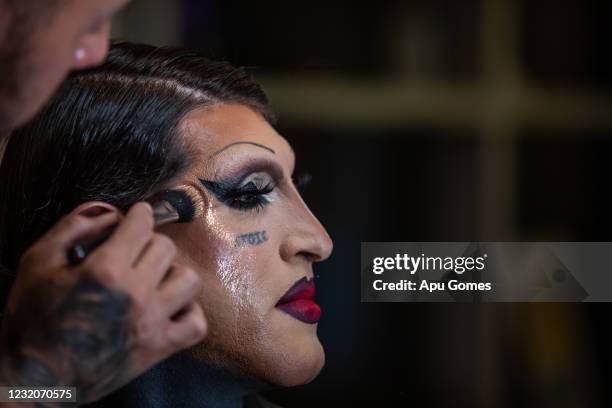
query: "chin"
299, 365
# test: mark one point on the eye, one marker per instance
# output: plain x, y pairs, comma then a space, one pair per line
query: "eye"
249, 196
252, 193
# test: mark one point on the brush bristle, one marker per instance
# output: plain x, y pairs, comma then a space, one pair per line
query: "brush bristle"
183, 202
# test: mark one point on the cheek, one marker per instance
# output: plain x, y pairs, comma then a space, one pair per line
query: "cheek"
244, 277
46, 66
234, 267
236, 283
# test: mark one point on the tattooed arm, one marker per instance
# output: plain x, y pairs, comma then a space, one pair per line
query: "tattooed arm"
87, 332
99, 325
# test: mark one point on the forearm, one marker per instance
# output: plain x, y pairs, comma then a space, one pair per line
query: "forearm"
21, 405
67, 345
19, 377
8, 379
24, 364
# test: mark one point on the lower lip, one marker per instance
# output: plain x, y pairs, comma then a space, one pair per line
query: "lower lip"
304, 310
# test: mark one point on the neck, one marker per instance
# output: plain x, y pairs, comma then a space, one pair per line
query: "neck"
183, 381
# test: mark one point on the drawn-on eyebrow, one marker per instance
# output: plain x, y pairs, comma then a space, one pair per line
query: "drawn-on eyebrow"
237, 143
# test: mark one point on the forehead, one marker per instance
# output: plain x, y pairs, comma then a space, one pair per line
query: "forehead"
73, 14
104, 7
109, 5
212, 129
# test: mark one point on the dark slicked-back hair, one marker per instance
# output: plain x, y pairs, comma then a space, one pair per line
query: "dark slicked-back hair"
110, 134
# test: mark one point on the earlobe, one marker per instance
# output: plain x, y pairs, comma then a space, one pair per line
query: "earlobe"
94, 209
80, 55
81, 58
92, 49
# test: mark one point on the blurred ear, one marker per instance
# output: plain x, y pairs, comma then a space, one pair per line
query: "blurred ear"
92, 49
94, 208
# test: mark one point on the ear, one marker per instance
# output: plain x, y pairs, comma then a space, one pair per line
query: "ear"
94, 208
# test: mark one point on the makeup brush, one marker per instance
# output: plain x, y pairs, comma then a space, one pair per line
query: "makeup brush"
178, 205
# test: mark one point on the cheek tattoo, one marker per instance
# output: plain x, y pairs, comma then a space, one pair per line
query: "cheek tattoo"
252, 238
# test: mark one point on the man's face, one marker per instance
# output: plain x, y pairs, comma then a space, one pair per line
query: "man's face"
72, 36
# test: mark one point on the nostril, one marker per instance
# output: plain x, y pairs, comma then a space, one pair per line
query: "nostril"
309, 256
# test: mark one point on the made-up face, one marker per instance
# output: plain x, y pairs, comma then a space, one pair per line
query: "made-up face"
254, 246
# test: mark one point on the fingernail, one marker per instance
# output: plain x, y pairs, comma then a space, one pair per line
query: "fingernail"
93, 209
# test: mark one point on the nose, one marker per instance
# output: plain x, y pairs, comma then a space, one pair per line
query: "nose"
92, 49
306, 238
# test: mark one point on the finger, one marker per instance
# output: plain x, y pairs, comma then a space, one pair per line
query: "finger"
182, 287
188, 329
155, 260
52, 247
131, 236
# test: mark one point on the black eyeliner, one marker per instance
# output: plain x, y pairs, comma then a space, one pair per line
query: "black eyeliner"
222, 188
219, 189
247, 197
236, 194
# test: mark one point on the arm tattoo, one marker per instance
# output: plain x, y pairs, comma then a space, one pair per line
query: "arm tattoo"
252, 238
81, 340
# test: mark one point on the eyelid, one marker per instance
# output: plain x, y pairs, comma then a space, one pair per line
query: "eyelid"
224, 189
259, 182
241, 197
260, 166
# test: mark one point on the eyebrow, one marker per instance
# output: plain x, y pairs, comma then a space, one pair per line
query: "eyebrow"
238, 143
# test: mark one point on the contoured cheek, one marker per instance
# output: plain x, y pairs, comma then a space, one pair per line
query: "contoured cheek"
236, 266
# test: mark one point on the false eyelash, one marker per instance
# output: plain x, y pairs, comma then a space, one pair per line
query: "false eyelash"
247, 197
235, 198
302, 181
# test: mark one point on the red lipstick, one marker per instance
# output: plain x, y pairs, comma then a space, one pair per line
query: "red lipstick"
297, 302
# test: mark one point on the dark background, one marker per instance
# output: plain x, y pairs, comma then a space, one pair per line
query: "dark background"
433, 120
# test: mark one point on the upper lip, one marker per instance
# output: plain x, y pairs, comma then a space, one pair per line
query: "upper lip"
302, 289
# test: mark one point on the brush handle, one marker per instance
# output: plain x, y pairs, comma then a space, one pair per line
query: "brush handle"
77, 253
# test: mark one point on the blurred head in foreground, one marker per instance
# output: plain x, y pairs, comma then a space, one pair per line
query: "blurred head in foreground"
41, 41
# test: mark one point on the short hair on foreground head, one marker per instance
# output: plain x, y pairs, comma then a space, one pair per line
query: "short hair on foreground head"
110, 134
